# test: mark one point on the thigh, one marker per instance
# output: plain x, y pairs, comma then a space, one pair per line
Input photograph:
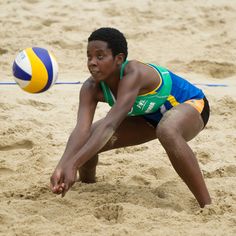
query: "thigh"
182, 120
132, 131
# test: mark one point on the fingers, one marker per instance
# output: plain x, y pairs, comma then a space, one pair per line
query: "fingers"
55, 183
61, 188
57, 189
61, 181
65, 189
66, 186
52, 183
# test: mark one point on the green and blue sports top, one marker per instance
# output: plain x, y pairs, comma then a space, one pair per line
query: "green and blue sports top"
171, 91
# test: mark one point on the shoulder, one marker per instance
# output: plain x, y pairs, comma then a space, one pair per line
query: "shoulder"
133, 70
133, 66
89, 84
130, 80
91, 89
137, 69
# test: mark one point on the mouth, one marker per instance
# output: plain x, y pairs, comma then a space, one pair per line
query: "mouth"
94, 73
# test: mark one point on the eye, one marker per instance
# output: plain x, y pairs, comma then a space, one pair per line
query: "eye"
100, 57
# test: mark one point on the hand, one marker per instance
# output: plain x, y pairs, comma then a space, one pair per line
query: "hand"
63, 178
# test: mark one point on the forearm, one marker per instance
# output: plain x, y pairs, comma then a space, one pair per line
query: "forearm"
76, 140
96, 142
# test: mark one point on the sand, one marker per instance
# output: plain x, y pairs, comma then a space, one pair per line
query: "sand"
137, 190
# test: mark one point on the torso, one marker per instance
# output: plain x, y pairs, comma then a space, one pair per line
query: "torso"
152, 94
178, 90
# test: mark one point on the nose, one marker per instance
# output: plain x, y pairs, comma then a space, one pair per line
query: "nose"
92, 61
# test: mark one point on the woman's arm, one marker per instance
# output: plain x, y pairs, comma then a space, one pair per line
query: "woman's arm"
80, 134
127, 93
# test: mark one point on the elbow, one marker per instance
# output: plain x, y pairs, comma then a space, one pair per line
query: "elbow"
81, 131
107, 129
110, 127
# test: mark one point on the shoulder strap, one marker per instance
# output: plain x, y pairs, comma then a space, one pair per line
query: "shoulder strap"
123, 68
109, 98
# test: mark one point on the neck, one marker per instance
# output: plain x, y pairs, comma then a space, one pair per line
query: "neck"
113, 81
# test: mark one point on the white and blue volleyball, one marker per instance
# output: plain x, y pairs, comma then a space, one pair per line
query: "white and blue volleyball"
35, 69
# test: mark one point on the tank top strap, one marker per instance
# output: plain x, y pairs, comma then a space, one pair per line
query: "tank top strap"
123, 68
109, 98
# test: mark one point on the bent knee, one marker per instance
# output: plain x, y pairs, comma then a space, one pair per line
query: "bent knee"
167, 134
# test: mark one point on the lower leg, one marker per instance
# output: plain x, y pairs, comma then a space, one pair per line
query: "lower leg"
186, 165
87, 172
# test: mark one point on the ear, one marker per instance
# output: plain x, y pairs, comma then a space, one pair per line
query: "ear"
120, 58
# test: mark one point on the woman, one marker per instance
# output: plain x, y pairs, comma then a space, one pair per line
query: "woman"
147, 102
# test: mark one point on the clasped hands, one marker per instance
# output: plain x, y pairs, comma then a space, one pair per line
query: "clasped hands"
62, 179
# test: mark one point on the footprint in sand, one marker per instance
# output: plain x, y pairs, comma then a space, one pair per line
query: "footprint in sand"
131, 149
158, 173
112, 12
226, 171
204, 157
31, 1
139, 180
5, 171
32, 193
49, 22
66, 44
3, 51
218, 70
160, 193
140, 35
6, 107
42, 106
225, 107
69, 28
215, 209
110, 212
24, 144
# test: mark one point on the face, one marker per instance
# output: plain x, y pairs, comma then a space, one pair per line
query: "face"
101, 63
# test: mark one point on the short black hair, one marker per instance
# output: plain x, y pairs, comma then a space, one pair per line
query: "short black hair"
114, 38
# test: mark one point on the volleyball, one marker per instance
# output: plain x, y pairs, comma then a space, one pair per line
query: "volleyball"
35, 69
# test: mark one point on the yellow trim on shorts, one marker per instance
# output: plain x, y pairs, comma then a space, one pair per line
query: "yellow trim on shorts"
197, 104
171, 99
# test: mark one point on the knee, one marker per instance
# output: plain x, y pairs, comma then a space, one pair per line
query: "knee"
166, 134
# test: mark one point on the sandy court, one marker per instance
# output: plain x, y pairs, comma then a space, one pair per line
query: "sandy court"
138, 191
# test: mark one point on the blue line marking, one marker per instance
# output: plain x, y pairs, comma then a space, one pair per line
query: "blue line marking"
79, 82
57, 83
